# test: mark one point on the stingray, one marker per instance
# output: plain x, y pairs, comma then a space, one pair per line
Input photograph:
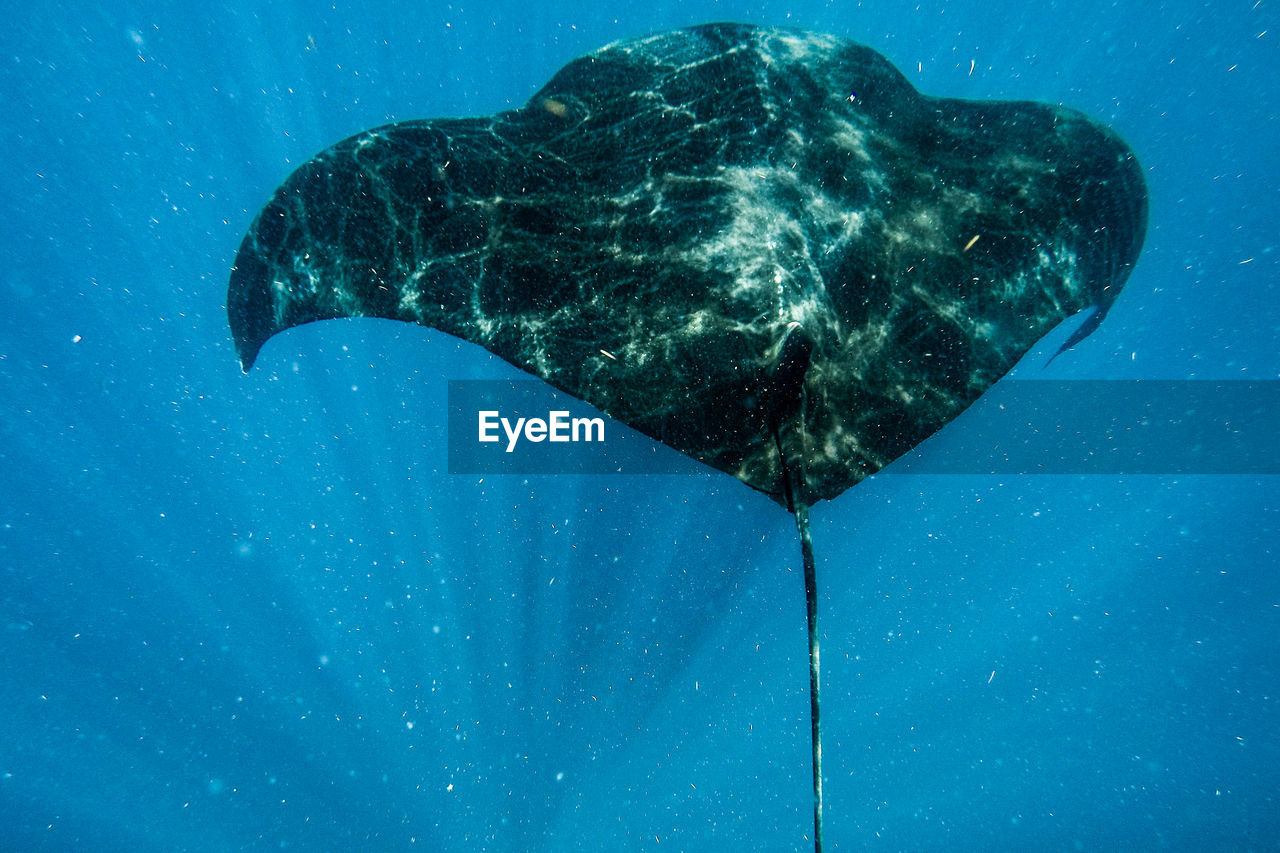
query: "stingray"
761, 247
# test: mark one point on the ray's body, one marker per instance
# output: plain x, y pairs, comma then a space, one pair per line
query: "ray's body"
760, 246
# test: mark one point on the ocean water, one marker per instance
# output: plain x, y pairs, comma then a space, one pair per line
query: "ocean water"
255, 612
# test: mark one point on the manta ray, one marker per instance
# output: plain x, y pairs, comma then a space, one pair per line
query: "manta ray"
762, 247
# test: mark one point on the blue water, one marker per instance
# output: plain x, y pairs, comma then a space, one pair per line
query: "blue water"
255, 612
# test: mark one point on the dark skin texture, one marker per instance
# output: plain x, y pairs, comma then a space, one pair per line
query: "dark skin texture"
789, 277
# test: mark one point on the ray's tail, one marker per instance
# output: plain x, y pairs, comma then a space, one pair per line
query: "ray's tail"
800, 509
787, 384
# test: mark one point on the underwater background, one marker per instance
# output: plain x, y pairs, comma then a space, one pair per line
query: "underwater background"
256, 612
